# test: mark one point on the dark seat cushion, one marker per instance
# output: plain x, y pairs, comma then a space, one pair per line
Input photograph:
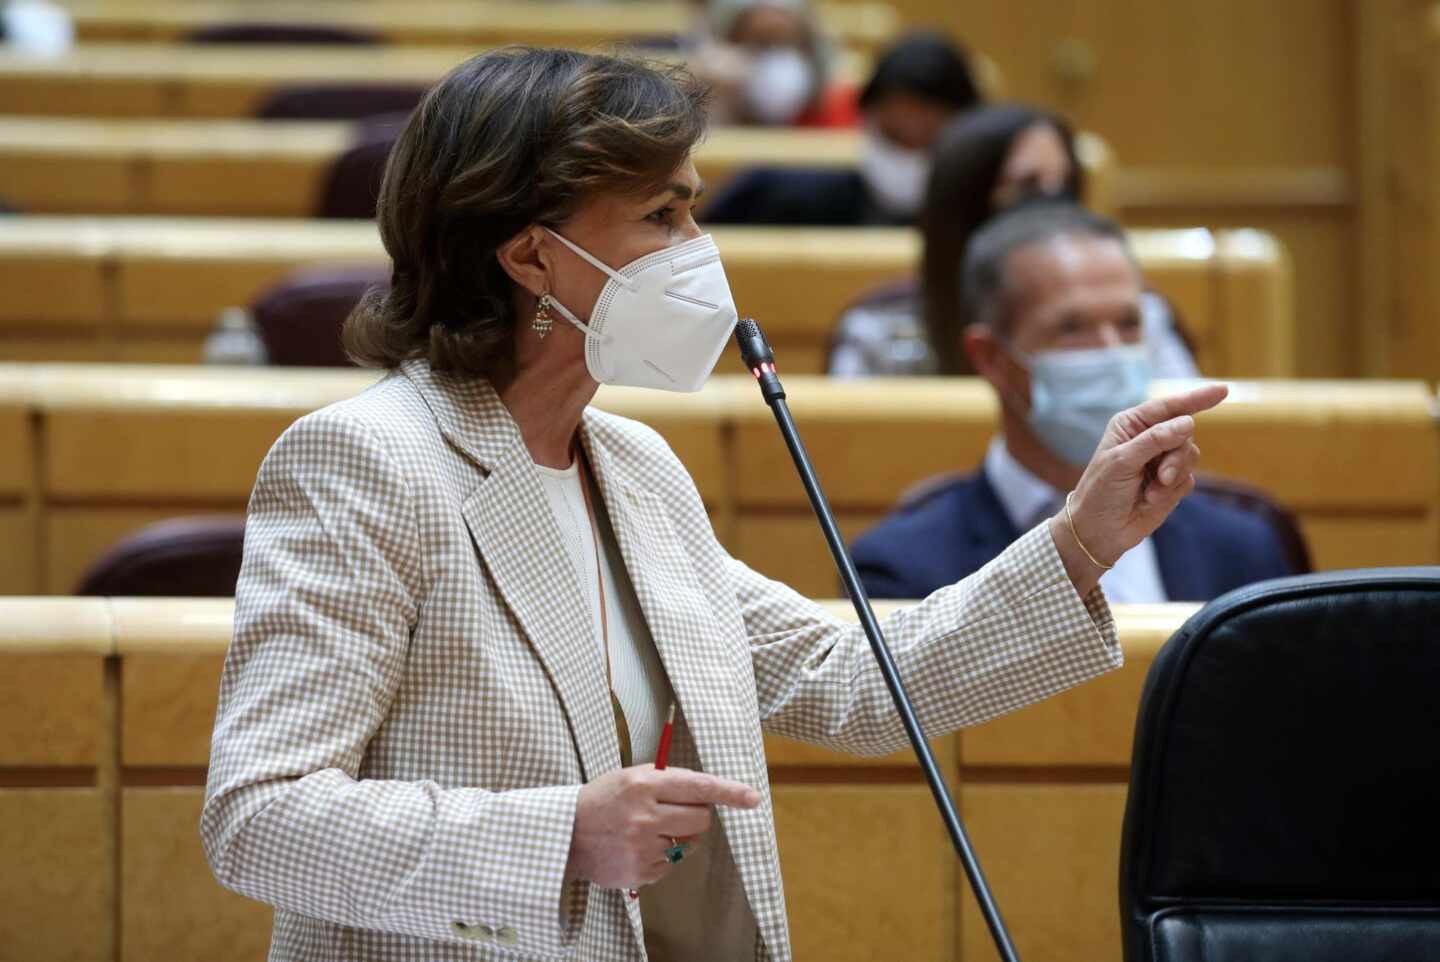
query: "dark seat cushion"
1397, 935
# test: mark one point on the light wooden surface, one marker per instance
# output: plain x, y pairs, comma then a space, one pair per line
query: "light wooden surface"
126, 446
225, 80
1045, 825
97, 165
582, 25
149, 289
53, 903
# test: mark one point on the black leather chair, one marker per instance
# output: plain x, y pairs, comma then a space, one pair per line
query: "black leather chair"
179, 558
1285, 783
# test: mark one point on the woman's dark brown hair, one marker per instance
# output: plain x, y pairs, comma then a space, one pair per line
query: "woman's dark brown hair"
966, 165
514, 137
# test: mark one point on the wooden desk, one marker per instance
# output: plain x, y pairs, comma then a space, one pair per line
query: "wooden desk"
84, 165
866, 26
222, 80
1041, 792
149, 290
118, 447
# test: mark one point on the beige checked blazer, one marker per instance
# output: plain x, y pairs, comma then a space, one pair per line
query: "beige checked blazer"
414, 695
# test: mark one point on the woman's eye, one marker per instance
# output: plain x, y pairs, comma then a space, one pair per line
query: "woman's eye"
661, 215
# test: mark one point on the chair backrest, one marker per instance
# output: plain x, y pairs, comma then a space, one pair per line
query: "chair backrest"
352, 184
300, 318
1254, 501
1283, 789
179, 558
281, 33
340, 101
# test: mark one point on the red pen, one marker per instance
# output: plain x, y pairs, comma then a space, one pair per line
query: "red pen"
662, 755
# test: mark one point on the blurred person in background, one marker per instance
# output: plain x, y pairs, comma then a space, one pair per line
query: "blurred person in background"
985, 162
1053, 297
919, 85
769, 64
35, 27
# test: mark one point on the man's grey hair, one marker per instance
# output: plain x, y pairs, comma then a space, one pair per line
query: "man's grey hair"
986, 297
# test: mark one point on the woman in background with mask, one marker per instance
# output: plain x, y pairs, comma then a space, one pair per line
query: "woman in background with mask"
470, 601
986, 161
769, 64
919, 85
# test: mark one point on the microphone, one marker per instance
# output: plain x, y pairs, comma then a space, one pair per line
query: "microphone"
760, 361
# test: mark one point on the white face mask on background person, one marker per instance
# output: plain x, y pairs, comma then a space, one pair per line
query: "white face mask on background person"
895, 176
778, 86
660, 321
1074, 394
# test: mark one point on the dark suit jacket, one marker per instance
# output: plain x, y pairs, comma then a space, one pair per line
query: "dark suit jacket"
798, 197
1203, 549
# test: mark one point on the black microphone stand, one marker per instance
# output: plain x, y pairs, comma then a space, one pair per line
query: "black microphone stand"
760, 361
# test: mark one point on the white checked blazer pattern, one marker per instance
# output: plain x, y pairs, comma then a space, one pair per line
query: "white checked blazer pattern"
413, 695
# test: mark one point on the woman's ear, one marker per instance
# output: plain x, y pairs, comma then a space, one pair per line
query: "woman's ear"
525, 260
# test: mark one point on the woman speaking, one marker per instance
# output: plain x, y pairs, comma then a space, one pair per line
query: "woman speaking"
469, 601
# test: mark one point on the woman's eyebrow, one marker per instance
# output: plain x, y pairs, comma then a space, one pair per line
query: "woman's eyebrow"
684, 192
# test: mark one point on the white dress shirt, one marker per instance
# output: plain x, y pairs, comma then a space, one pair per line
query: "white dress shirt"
674, 906
1028, 500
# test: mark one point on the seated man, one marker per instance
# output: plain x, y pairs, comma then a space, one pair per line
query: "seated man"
1054, 292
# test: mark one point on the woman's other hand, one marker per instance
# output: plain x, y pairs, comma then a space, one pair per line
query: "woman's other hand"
625, 819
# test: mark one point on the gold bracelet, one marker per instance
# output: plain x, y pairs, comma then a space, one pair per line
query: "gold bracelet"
1076, 536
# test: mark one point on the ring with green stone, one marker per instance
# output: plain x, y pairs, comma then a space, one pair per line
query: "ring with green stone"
676, 852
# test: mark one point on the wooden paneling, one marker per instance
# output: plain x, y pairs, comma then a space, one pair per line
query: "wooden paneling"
1358, 542
869, 873
52, 889
171, 906
790, 548
169, 708
1088, 726
156, 453
1051, 854
50, 709
18, 575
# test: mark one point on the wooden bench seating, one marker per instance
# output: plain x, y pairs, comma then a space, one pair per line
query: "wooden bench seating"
106, 708
150, 289
867, 26
118, 447
94, 165
223, 80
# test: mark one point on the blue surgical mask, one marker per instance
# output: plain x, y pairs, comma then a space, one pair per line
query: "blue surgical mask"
1074, 394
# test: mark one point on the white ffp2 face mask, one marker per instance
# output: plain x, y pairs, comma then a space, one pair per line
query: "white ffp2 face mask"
895, 175
660, 321
778, 86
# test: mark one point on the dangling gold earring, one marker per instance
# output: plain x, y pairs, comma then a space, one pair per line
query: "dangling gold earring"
543, 321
